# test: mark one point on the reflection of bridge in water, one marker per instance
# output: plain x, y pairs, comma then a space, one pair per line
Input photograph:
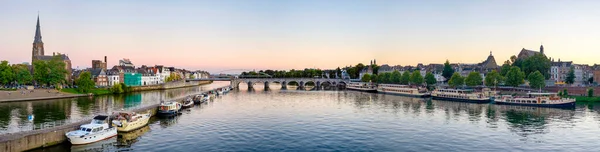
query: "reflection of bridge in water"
318, 82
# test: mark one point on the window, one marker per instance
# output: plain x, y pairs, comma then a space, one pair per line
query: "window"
88, 129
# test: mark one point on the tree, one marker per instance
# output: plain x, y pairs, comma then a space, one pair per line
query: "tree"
116, 89
366, 78
416, 78
6, 73
537, 62
570, 76
395, 77
565, 93
492, 79
40, 72
85, 82
590, 92
374, 77
191, 76
504, 69
448, 71
473, 79
22, 74
430, 79
57, 73
405, 78
456, 80
536, 80
515, 77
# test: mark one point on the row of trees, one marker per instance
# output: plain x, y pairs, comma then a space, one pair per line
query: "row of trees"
406, 78
306, 73
50, 72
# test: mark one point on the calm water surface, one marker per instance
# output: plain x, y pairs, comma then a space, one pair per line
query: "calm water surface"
289, 120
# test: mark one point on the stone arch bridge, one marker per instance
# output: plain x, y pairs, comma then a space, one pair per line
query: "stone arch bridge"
235, 82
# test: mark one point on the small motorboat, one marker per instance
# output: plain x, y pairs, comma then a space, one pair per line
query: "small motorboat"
169, 108
205, 97
197, 99
188, 103
95, 131
220, 91
128, 121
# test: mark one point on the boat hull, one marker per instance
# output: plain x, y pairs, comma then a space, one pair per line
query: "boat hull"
167, 113
86, 139
406, 95
363, 90
561, 105
462, 100
130, 126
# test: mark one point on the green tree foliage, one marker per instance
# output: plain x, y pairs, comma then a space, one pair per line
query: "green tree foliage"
536, 80
192, 76
515, 77
22, 74
570, 76
116, 89
374, 77
416, 78
395, 77
473, 79
448, 70
58, 73
565, 93
504, 69
492, 79
590, 92
405, 78
84, 82
175, 77
537, 62
40, 72
430, 79
366, 78
456, 80
6, 73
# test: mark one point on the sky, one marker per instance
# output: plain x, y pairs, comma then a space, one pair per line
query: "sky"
233, 35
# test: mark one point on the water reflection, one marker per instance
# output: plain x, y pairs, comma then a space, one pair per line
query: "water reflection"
127, 139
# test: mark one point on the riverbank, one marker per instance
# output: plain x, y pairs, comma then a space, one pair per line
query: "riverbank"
37, 94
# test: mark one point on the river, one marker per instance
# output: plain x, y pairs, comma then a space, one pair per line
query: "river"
291, 120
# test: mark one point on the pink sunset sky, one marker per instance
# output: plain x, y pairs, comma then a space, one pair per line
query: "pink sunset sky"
222, 35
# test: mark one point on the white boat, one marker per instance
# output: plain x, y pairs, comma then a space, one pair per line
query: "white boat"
205, 97
362, 86
95, 131
169, 108
536, 99
403, 90
188, 103
128, 121
220, 91
460, 95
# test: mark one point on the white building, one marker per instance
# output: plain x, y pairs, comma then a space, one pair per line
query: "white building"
150, 79
113, 79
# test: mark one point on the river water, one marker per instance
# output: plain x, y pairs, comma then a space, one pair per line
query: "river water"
291, 120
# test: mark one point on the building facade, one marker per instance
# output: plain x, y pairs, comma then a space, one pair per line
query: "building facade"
38, 52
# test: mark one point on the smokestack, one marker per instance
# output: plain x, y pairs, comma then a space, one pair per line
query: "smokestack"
104, 59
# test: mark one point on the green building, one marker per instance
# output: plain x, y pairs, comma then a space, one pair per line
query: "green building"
132, 79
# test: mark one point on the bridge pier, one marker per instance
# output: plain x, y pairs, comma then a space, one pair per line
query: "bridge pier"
318, 85
250, 85
301, 85
283, 85
266, 85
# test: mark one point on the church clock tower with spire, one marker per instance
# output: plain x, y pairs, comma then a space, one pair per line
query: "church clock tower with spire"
38, 45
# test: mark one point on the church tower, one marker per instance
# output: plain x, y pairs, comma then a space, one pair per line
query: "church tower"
542, 49
38, 45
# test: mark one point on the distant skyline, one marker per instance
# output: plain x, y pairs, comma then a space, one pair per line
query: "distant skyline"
244, 34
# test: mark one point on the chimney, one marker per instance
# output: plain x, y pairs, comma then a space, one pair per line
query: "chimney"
53, 53
104, 59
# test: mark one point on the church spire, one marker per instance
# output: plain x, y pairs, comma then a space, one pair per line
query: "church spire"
38, 32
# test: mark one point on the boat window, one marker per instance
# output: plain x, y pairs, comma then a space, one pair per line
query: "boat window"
544, 101
88, 129
82, 129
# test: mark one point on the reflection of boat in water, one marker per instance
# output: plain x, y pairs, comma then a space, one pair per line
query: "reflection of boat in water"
104, 145
128, 121
538, 100
129, 138
168, 121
